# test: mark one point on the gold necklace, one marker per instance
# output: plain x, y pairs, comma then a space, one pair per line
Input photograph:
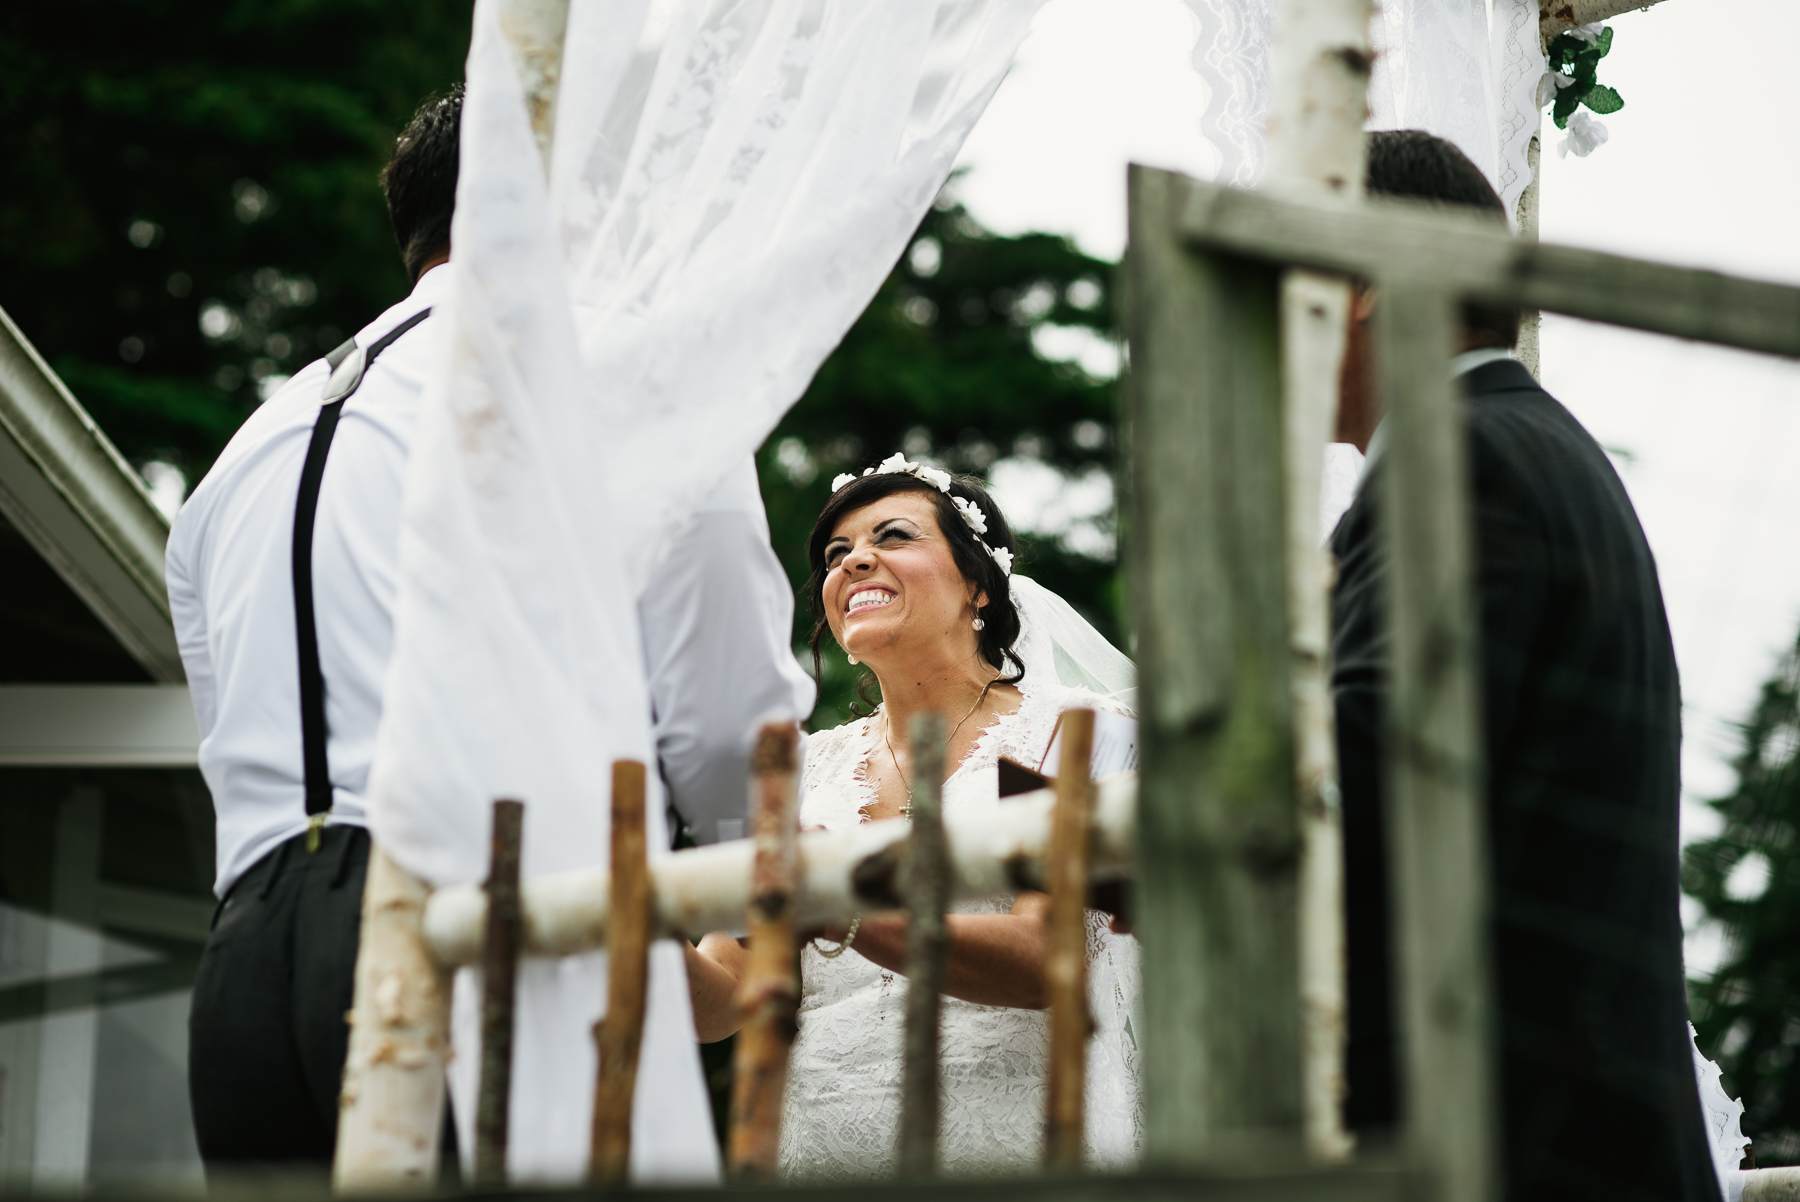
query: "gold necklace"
886, 737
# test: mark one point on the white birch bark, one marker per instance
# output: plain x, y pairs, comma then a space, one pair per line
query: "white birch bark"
1531, 321
1558, 15
391, 1111
1321, 78
535, 29
702, 889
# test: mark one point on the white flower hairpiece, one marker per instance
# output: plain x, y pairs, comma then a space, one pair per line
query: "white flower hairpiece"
939, 479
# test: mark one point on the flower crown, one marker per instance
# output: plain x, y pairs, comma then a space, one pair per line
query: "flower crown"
939, 479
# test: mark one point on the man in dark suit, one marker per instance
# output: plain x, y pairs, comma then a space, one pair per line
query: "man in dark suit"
1581, 711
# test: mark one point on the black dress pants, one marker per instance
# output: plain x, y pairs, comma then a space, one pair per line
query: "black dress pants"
267, 1034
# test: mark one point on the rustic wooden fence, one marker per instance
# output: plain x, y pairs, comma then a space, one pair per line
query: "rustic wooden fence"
1218, 852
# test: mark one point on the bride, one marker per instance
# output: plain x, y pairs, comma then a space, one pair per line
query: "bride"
911, 574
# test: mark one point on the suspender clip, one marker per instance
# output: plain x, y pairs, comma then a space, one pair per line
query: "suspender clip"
315, 826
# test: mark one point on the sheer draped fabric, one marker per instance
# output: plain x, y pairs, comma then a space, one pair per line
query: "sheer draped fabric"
730, 184
843, 1102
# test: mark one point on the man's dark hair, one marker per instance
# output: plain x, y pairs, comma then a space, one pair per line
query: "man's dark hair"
420, 180
1416, 165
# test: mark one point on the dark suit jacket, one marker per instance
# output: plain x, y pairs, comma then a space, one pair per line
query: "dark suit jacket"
1581, 708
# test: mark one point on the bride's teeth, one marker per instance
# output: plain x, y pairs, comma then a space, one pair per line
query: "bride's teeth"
870, 599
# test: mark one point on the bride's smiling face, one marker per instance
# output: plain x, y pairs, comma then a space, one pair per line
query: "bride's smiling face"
892, 588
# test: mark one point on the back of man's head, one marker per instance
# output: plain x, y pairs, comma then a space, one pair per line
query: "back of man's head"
1413, 164
420, 180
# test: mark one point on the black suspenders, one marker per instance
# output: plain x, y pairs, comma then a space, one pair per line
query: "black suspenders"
348, 363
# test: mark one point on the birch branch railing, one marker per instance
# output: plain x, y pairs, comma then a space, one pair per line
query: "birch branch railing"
995, 852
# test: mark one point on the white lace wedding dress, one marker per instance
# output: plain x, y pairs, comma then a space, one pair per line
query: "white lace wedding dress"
842, 1114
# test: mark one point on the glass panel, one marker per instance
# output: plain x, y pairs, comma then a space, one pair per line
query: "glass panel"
105, 902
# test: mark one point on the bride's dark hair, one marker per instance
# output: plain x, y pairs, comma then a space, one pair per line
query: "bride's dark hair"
1000, 616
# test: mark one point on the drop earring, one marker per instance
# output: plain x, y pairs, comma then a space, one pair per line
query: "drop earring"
853, 659
978, 624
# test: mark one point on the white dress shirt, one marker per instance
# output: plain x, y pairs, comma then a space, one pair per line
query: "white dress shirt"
716, 618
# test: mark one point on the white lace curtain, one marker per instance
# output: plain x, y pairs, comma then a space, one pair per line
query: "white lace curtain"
731, 183
732, 180
1444, 66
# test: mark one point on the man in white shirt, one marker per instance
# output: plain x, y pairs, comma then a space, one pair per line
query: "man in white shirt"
246, 570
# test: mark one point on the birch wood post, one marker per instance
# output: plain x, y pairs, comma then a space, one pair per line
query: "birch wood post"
499, 990
535, 30
1531, 321
771, 990
1066, 967
927, 878
627, 978
1437, 830
1316, 146
1217, 839
1555, 16
391, 1109
1772, 1185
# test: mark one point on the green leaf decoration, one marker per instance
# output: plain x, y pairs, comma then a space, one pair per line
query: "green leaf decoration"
1581, 62
1602, 99
1567, 101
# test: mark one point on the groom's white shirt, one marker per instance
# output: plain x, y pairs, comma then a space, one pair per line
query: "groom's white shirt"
717, 617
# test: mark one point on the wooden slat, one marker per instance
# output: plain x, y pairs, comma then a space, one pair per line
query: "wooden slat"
1437, 835
1464, 256
771, 988
1066, 966
1217, 846
927, 880
499, 991
621, 1032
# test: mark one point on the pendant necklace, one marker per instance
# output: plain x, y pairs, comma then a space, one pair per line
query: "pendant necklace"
886, 737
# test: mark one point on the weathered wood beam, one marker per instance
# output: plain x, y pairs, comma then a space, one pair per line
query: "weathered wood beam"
1218, 844
1463, 256
1436, 823
995, 851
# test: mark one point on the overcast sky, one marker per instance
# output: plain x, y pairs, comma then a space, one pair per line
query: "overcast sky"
1703, 168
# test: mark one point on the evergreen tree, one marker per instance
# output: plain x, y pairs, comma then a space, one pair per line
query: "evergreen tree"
948, 362
188, 197
1748, 879
189, 212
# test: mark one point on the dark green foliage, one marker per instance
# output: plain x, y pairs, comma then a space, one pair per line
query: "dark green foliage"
158, 156
1575, 58
1748, 1013
942, 364
160, 161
